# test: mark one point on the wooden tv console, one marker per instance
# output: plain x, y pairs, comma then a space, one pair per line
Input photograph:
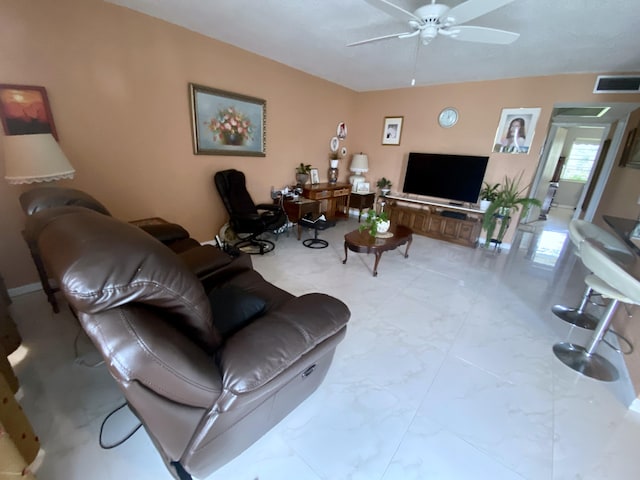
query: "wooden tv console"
452, 223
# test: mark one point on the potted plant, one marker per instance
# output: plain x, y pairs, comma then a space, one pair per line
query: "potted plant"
302, 173
509, 200
384, 185
488, 194
375, 223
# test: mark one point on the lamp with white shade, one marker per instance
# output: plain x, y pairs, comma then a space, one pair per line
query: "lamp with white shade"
34, 158
359, 165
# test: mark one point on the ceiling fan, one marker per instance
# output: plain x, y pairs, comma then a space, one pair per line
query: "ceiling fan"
435, 19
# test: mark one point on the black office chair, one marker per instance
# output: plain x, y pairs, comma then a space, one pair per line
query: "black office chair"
248, 220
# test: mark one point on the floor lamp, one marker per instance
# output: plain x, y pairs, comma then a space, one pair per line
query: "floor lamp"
34, 158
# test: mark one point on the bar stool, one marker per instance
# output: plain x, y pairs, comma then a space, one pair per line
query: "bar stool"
611, 281
579, 230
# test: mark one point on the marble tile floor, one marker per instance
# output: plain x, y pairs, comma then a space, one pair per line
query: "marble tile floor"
446, 373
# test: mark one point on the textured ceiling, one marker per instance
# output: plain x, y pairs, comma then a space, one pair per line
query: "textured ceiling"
556, 36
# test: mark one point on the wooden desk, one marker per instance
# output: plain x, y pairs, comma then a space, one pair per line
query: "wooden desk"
336, 196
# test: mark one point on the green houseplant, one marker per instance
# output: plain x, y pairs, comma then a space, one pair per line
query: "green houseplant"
488, 194
509, 199
384, 185
302, 173
375, 223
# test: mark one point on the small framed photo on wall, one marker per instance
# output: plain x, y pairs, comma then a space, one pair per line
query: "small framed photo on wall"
315, 176
392, 130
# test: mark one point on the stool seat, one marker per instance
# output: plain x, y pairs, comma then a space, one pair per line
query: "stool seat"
612, 281
614, 248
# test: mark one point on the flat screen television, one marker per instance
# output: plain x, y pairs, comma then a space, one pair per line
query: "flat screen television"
456, 178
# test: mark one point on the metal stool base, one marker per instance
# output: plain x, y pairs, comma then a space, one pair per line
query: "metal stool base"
315, 243
594, 365
573, 316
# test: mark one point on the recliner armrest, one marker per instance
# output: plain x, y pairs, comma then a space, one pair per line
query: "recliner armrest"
165, 232
272, 343
205, 259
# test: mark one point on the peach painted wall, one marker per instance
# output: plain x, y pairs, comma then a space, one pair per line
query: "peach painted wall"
479, 105
118, 81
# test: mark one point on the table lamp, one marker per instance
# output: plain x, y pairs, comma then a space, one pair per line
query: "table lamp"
34, 158
359, 165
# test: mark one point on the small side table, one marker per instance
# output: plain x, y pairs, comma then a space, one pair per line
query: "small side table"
361, 201
296, 209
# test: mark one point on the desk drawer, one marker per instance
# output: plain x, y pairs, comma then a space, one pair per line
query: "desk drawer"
319, 195
341, 192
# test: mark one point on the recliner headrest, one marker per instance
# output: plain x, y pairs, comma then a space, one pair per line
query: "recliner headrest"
102, 263
42, 198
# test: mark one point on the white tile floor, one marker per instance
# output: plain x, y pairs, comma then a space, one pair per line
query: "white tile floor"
446, 373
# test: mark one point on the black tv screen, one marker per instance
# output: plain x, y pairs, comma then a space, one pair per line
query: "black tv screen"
456, 178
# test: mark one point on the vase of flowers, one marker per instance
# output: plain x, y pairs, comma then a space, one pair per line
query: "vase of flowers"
230, 127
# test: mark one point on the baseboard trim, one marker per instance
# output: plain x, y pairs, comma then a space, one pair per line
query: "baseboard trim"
24, 289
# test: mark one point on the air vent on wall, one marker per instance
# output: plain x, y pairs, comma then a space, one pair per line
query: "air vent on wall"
617, 84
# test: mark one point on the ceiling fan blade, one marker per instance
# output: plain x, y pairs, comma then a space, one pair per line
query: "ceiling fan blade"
394, 10
468, 33
385, 37
472, 9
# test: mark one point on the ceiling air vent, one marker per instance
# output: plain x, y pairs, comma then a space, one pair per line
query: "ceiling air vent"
617, 84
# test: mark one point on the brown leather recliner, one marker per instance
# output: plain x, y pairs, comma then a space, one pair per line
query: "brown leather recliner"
208, 367
46, 197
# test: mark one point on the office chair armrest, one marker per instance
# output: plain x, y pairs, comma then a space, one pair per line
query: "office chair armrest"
269, 206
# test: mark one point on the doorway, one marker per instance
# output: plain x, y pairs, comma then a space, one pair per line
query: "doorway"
579, 136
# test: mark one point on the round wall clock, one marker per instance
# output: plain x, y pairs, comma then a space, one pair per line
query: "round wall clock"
448, 117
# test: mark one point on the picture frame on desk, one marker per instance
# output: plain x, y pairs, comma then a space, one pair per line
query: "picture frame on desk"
315, 176
363, 187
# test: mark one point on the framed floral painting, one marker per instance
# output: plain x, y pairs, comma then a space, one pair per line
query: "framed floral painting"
24, 110
225, 123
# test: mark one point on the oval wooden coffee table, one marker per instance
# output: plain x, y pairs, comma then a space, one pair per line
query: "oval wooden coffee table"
363, 242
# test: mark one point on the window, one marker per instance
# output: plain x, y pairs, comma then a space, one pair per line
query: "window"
580, 161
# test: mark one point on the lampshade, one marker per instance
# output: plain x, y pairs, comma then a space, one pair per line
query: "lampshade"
359, 163
34, 158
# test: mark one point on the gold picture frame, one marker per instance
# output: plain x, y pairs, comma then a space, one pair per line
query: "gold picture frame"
392, 130
226, 123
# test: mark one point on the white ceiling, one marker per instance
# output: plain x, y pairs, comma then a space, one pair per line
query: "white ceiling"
556, 36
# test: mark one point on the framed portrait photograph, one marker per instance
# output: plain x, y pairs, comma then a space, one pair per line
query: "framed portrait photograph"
392, 130
515, 130
315, 176
225, 123
25, 110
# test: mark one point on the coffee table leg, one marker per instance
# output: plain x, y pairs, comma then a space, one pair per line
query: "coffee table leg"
375, 265
406, 252
345, 253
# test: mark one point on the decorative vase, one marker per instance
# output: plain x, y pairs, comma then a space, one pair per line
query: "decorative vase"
383, 226
384, 191
230, 138
333, 175
302, 178
484, 205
